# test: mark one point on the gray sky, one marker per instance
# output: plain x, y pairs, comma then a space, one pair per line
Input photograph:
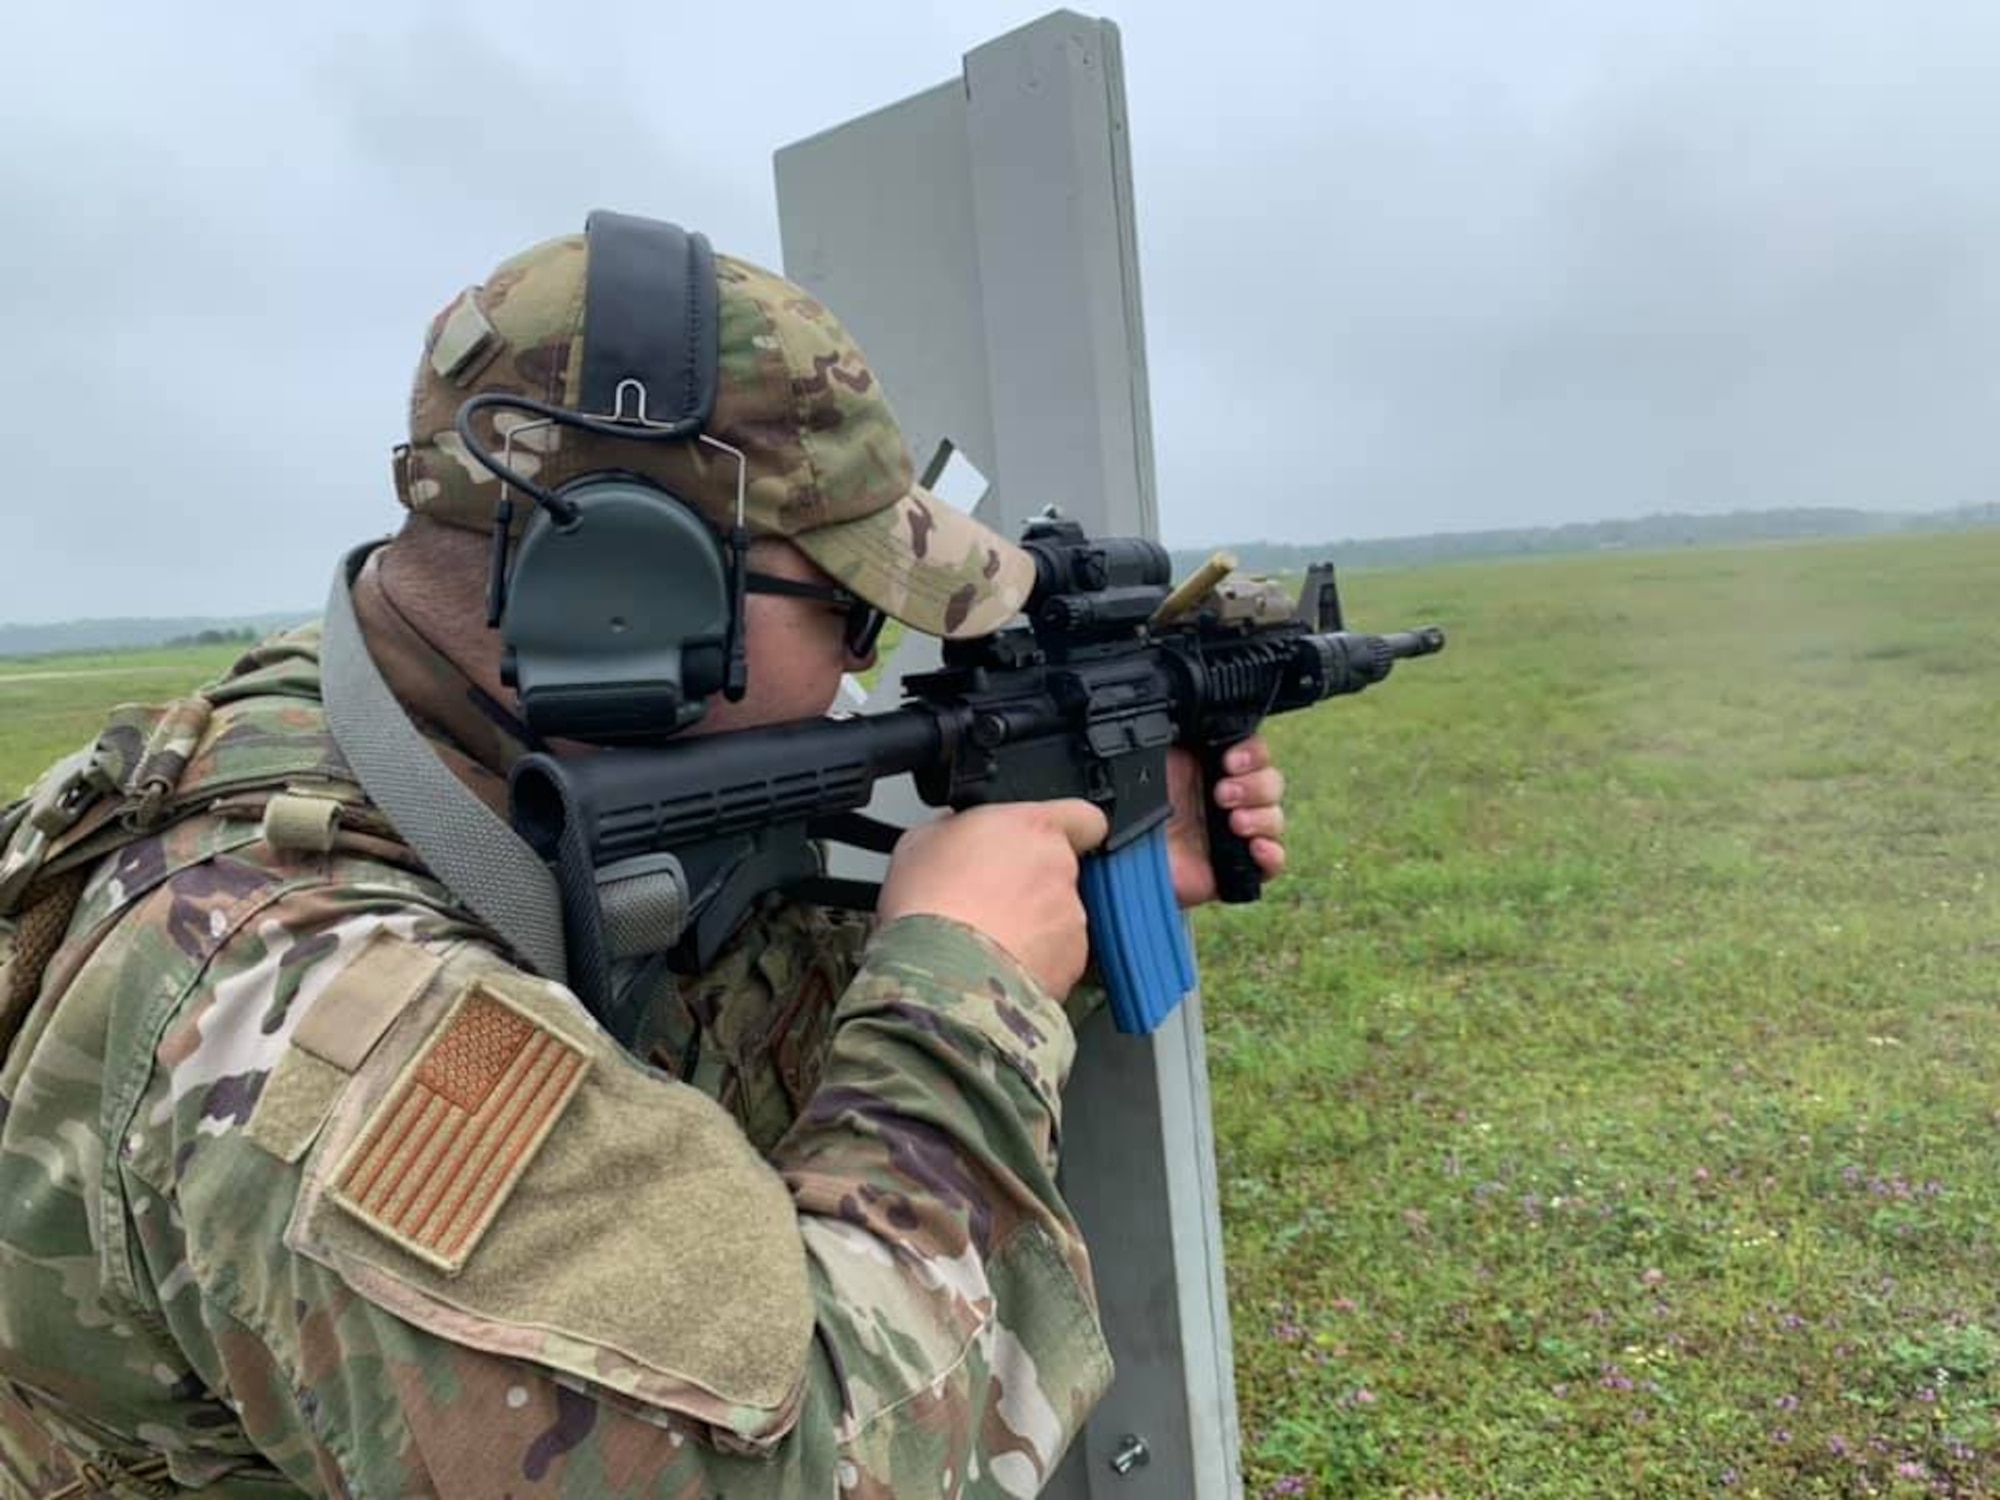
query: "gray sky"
1408, 268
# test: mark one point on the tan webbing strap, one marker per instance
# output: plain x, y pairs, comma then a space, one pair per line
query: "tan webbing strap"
164, 759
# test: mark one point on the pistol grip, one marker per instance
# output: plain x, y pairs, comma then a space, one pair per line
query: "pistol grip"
1237, 878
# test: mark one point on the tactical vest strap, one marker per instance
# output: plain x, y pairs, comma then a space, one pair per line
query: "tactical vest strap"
151, 766
128, 774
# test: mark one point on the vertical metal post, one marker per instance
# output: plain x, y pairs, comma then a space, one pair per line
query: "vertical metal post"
979, 241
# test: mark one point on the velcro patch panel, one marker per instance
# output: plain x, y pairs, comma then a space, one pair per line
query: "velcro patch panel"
439, 1157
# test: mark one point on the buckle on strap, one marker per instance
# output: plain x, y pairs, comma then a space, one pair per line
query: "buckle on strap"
72, 785
69, 790
107, 1474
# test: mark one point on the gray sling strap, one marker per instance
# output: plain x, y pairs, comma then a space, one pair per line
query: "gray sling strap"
465, 843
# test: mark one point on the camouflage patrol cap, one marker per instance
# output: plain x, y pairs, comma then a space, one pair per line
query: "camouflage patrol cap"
827, 465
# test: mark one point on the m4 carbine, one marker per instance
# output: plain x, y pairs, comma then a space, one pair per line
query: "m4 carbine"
1110, 669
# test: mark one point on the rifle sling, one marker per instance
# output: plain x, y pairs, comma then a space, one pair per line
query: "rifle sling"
463, 841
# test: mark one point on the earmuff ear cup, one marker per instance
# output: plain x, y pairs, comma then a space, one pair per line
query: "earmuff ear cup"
617, 624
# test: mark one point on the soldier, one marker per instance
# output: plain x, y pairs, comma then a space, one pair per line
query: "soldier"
309, 1186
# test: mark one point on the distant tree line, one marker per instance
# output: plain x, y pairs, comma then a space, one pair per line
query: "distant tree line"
67, 637
1645, 533
243, 636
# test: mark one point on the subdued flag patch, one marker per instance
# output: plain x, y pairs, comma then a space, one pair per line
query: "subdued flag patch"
460, 1128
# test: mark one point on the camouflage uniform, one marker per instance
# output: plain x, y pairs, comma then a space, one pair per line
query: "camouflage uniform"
306, 1187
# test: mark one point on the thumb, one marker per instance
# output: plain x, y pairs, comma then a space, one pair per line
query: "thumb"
1081, 822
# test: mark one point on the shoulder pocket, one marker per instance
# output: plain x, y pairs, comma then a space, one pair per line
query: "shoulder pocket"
503, 1176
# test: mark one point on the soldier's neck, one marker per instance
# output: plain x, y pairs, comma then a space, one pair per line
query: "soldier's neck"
436, 577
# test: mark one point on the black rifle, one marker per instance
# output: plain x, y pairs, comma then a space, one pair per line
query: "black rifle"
1111, 668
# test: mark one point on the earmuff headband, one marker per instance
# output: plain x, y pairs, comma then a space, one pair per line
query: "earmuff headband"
623, 612
650, 316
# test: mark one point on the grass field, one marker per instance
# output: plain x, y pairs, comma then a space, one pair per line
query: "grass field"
1607, 1102
50, 705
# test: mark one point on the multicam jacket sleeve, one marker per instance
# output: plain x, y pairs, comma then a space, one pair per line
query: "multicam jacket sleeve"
195, 1260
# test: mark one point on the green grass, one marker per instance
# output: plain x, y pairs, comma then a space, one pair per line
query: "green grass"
50, 705
1606, 1101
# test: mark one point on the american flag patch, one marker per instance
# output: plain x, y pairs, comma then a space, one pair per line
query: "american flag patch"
439, 1158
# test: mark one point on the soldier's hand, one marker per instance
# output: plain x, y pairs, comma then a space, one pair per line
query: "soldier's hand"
1009, 870
1254, 792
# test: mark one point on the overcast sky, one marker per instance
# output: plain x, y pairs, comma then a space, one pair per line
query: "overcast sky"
1408, 267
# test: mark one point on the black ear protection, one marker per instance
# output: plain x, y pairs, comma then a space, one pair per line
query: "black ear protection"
622, 612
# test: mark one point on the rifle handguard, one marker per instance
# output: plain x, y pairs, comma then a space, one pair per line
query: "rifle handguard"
1137, 935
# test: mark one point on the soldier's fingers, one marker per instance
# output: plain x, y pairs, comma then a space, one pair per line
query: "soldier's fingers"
1252, 755
1262, 788
1081, 822
1270, 857
1256, 822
